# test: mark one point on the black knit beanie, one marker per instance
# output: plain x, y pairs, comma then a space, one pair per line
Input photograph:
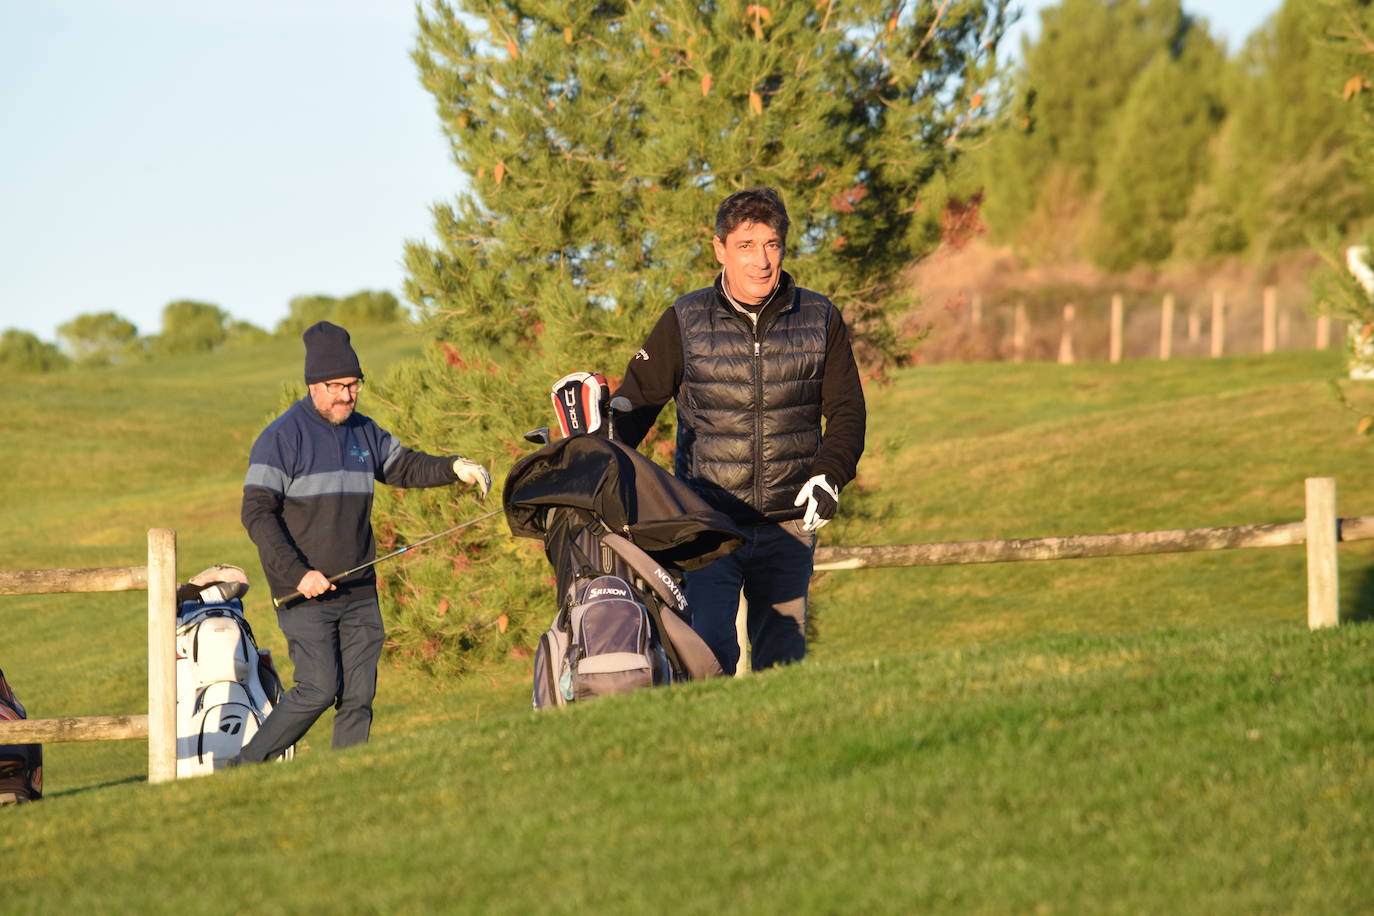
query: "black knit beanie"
329, 354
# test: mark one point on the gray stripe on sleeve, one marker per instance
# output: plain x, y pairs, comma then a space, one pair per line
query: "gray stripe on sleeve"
267, 477
393, 450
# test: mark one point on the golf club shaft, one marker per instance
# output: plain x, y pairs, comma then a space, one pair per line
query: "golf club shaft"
278, 602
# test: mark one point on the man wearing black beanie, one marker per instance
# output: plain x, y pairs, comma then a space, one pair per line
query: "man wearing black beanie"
307, 505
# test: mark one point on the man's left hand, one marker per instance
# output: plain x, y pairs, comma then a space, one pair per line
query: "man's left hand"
470, 472
821, 500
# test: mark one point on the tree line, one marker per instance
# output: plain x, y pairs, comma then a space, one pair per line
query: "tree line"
188, 327
1132, 138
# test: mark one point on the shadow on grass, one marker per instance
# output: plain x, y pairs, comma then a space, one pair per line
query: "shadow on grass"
99, 785
1364, 598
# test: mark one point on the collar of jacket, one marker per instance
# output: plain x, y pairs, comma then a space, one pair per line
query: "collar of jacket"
782, 298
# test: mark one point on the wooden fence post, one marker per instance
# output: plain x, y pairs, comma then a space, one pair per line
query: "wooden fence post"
1166, 327
1323, 332
976, 312
1323, 608
1066, 337
1118, 320
1194, 324
162, 672
1271, 305
1218, 322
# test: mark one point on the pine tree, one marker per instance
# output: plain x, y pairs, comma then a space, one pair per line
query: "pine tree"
599, 138
1343, 31
1283, 171
1157, 152
1072, 83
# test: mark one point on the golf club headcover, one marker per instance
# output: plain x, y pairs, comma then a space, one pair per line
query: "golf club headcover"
821, 500
578, 400
472, 473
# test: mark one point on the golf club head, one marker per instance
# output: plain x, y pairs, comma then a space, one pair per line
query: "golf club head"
538, 436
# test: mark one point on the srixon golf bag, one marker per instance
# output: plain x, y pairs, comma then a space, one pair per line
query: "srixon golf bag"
226, 685
618, 531
21, 765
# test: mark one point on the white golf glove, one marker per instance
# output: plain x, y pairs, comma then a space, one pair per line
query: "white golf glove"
472, 473
821, 501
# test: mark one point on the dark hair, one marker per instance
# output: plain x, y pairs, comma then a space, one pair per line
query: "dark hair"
752, 205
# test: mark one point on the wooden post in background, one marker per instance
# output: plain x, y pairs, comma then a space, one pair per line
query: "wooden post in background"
1166, 327
1194, 324
162, 652
1018, 333
1117, 322
1323, 332
1271, 300
1218, 322
1066, 337
1323, 608
975, 315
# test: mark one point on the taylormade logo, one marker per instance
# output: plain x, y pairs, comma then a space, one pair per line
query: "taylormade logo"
667, 580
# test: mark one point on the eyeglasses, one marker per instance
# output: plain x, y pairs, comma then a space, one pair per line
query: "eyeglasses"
337, 388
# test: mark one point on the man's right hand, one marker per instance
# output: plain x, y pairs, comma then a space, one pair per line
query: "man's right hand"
314, 583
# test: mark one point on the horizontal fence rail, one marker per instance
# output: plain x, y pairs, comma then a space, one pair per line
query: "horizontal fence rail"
59, 581
1015, 550
1321, 530
83, 728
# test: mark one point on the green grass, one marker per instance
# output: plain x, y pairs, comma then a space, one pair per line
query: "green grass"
1150, 734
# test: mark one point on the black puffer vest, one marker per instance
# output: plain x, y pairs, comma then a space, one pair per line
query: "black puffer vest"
749, 406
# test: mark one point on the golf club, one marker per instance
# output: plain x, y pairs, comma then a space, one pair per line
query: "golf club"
278, 602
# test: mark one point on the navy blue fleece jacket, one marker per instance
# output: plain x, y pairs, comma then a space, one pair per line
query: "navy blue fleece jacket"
307, 500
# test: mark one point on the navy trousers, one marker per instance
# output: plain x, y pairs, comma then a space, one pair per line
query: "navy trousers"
773, 568
335, 647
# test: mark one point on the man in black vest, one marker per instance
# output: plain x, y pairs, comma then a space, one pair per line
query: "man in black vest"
754, 364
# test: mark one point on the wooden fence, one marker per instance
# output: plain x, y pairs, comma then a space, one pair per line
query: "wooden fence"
1321, 530
1276, 328
159, 725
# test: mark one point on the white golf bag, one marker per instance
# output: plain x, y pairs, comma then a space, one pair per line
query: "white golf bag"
226, 685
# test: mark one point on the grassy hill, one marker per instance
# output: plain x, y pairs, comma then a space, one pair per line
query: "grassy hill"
1147, 733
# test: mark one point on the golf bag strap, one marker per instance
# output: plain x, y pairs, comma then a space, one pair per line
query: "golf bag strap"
650, 571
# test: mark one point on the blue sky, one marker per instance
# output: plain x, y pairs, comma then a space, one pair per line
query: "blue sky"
238, 153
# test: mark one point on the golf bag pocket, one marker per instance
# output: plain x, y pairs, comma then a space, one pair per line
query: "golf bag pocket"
613, 648
223, 720
552, 676
220, 650
602, 644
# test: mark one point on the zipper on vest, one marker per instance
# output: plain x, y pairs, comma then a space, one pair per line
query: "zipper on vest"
758, 422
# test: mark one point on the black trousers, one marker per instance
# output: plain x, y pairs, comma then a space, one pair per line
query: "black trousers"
335, 647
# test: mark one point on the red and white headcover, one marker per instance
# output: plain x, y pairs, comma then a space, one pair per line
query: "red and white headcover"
578, 401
